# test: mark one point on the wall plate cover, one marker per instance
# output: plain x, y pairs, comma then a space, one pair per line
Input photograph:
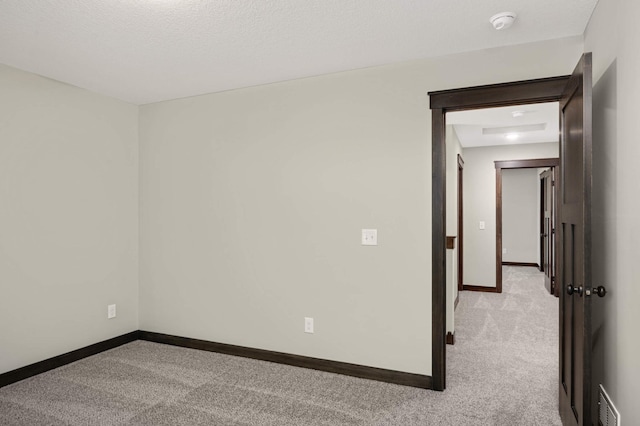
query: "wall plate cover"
369, 237
308, 325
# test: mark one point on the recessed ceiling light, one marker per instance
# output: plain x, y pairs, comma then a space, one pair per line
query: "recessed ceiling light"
511, 136
514, 129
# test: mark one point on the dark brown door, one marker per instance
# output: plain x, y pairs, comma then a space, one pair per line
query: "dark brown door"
460, 223
574, 247
546, 228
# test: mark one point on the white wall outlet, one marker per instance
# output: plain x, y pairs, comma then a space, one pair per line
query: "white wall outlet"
481, 226
369, 237
504, 251
111, 311
308, 325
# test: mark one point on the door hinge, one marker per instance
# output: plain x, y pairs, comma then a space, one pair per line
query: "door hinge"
553, 183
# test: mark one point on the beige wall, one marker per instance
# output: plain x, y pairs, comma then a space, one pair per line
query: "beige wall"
480, 205
613, 36
252, 203
69, 218
521, 215
251, 206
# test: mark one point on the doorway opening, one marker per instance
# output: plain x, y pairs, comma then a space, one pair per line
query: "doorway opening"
507, 94
548, 219
573, 242
491, 139
501, 166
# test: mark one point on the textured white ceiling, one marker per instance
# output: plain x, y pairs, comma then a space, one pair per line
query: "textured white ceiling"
469, 125
145, 51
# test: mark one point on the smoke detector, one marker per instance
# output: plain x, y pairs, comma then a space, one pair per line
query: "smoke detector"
503, 20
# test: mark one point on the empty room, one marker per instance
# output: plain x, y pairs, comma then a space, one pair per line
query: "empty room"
243, 213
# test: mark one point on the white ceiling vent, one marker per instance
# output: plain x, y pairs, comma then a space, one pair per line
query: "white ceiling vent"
609, 415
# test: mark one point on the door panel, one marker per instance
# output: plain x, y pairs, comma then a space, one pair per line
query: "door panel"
460, 222
574, 247
546, 229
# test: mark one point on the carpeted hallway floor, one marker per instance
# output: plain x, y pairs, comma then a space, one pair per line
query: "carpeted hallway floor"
501, 371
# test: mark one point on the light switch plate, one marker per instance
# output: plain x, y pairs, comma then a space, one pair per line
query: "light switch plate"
111, 311
308, 325
369, 237
481, 224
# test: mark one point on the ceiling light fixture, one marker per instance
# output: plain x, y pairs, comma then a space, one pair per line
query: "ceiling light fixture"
512, 136
517, 114
503, 20
514, 129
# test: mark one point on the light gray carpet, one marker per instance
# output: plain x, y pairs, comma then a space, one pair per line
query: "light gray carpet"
501, 371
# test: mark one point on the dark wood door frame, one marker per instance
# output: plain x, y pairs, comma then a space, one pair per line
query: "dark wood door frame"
441, 102
541, 220
512, 164
547, 228
460, 222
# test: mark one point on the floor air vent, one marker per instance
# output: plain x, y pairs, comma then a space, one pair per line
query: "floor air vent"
609, 416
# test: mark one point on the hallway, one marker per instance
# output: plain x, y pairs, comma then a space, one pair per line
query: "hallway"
506, 351
503, 368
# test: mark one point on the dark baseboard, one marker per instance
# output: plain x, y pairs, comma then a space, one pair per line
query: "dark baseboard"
64, 359
479, 288
535, 265
455, 304
451, 338
361, 371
